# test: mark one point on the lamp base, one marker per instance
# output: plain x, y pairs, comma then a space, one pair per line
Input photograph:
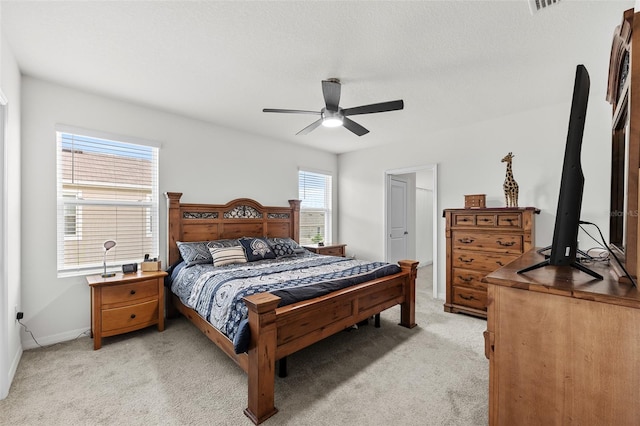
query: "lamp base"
108, 274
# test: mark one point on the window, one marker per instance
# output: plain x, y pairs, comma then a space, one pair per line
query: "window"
107, 190
314, 189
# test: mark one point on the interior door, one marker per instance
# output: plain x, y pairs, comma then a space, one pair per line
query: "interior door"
397, 219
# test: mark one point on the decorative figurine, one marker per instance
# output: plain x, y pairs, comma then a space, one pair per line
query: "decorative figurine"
510, 185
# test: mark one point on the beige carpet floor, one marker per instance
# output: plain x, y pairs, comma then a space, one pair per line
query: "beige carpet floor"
434, 374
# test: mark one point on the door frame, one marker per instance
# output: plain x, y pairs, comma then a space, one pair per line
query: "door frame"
434, 170
5, 369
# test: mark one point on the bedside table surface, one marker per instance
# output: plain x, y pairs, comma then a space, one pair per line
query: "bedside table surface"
120, 278
316, 246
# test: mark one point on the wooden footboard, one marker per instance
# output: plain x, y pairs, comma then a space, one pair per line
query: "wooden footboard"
278, 332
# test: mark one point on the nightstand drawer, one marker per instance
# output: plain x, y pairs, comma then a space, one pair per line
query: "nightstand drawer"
129, 316
129, 292
333, 251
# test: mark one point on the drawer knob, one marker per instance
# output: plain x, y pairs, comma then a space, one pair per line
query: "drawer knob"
507, 244
133, 292
466, 240
133, 316
462, 259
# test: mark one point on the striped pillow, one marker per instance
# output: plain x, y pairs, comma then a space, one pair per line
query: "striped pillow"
227, 255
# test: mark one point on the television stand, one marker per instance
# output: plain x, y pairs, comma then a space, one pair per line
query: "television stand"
576, 265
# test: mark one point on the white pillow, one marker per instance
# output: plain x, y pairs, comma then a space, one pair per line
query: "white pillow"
227, 255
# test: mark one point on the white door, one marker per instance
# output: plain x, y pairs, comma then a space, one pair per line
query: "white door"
396, 219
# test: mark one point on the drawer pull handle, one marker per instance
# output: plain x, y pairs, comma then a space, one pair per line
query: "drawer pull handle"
133, 292
499, 263
484, 219
462, 259
133, 316
507, 244
466, 240
465, 279
462, 296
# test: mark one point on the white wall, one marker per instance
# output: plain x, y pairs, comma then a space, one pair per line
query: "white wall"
205, 162
10, 348
537, 139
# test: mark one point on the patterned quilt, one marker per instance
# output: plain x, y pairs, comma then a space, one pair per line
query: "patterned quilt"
216, 292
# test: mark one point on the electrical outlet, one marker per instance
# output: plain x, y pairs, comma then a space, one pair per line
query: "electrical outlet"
19, 315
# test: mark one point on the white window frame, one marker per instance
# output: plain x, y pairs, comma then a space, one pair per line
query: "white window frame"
150, 205
327, 209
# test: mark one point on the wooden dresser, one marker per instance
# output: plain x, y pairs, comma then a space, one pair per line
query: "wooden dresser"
563, 347
479, 241
125, 302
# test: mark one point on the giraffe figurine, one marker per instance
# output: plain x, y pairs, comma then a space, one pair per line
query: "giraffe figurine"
510, 185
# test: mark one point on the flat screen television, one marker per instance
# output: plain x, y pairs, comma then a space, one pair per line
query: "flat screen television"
564, 246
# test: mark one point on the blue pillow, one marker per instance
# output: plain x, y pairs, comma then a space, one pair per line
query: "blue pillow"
257, 249
281, 247
194, 253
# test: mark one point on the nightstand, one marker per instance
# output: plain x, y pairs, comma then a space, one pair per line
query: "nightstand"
125, 302
329, 249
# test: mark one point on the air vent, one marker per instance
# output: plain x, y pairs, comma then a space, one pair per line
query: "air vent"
536, 6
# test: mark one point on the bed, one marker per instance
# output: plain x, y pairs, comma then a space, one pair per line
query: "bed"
274, 331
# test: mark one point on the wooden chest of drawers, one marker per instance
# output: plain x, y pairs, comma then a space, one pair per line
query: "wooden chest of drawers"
125, 303
479, 241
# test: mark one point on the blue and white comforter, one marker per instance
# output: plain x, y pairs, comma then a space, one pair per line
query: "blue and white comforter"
216, 292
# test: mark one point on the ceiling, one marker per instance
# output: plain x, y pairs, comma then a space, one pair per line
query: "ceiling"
222, 62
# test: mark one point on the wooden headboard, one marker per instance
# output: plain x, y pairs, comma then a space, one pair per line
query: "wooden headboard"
242, 217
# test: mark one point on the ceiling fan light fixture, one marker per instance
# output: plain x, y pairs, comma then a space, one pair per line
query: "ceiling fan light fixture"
331, 119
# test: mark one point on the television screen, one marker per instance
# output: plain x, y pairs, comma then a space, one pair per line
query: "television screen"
564, 247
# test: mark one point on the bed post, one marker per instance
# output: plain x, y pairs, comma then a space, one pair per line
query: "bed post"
173, 226
262, 356
408, 307
295, 220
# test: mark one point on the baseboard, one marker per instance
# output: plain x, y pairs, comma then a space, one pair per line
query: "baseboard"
29, 343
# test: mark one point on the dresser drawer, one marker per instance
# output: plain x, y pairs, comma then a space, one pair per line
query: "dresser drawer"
464, 220
129, 316
470, 297
469, 278
123, 293
479, 261
512, 220
504, 243
485, 220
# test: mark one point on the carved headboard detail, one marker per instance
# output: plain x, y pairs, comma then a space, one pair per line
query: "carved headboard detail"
242, 217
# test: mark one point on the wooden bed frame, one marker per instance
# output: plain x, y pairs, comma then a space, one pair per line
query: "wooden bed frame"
278, 332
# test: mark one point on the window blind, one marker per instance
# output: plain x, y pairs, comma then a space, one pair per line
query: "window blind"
314, 191
106, 190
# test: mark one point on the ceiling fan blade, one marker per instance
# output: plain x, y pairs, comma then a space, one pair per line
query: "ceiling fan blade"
291, 111
370, 109
354, 127
331, 92
310, 127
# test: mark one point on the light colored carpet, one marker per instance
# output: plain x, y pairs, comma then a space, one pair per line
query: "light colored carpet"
434, 374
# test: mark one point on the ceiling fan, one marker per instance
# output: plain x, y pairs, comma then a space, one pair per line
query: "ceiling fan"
334, 116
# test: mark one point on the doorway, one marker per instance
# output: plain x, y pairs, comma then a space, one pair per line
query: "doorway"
420, 208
